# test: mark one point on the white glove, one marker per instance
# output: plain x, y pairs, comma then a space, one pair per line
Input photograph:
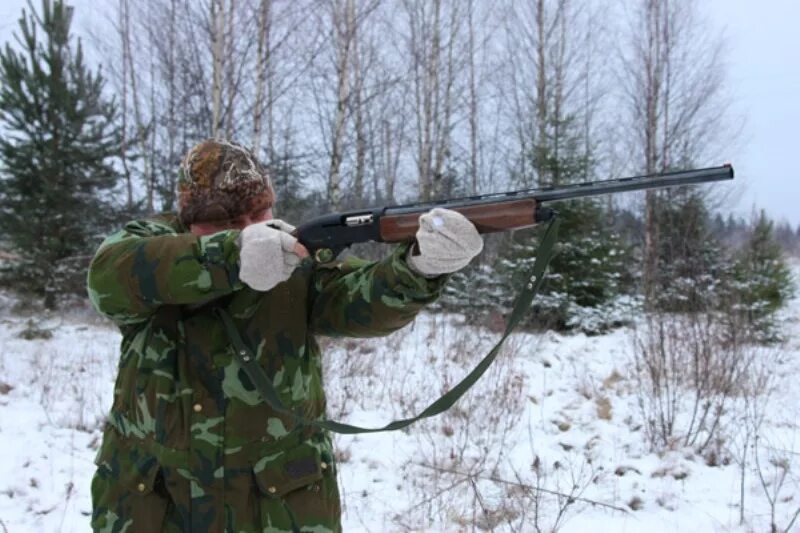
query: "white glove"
267, 254
447, 242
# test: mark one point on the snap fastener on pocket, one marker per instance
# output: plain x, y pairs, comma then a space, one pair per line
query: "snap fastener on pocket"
141, 487
272, 490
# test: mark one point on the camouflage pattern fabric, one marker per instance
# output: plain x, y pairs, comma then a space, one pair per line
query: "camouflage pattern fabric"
189, 444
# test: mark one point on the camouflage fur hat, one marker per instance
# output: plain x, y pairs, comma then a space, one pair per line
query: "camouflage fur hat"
220, 180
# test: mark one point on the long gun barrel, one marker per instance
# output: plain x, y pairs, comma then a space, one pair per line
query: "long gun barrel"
328, 235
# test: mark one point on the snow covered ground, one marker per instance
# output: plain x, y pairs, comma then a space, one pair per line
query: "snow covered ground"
550, 437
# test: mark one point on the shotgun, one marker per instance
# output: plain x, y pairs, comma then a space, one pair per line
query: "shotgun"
326, 236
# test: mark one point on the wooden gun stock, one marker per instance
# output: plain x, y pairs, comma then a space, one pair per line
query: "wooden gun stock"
488, 218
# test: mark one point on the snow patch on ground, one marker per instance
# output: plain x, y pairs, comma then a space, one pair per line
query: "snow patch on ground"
557, 413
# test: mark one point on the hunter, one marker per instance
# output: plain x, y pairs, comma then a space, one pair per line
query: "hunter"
190, 445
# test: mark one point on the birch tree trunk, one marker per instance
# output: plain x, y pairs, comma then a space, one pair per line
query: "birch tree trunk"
263, 67
425, 50
124, 24
358, 111
141, 128
541, 85
232, 59
473, 104
444, 123
217, 54
343, 25
653, 72
547, 85
168, 202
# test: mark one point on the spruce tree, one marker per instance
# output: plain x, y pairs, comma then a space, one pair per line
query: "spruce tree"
691, 260
587, 275
763, 279
591, 268
55, 156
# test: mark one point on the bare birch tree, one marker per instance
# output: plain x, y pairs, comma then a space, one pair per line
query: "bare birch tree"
283, 60
390, 114
673, 75
436, 50
550, 96
168, 178
345, 78
143, 124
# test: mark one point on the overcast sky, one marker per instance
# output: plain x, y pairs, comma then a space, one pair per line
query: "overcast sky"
764, 42
764, 59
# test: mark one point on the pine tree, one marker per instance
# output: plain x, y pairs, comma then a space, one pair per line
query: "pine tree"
55, 157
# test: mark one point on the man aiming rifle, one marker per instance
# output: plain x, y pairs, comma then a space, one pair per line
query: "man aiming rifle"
218, 419
190, 445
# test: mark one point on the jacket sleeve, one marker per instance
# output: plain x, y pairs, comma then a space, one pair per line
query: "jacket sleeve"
148, 264
356, 298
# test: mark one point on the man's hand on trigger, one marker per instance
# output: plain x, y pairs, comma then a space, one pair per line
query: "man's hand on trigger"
268, 254
447, 242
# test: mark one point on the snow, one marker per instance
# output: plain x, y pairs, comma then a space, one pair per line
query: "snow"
557, 412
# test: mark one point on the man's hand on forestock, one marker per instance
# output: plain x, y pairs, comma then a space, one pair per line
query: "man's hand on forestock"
447, 241
268, 254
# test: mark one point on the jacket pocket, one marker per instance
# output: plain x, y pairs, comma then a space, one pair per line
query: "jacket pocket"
282, 472
127, 490
297, 490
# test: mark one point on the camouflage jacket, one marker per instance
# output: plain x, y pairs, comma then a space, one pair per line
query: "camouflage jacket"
189, 444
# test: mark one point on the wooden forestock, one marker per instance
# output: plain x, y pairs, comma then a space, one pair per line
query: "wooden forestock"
487, 217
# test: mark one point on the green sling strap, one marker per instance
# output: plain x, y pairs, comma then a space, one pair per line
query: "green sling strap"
263, 384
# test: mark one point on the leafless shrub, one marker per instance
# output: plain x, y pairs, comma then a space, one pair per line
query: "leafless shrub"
689, 368
466, 479
778, 473
69, 387
765, 447
477, 431
541, 499
552, 492
750, 413
355, 372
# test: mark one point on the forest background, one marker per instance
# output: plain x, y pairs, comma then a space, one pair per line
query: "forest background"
362, 103
359, 103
